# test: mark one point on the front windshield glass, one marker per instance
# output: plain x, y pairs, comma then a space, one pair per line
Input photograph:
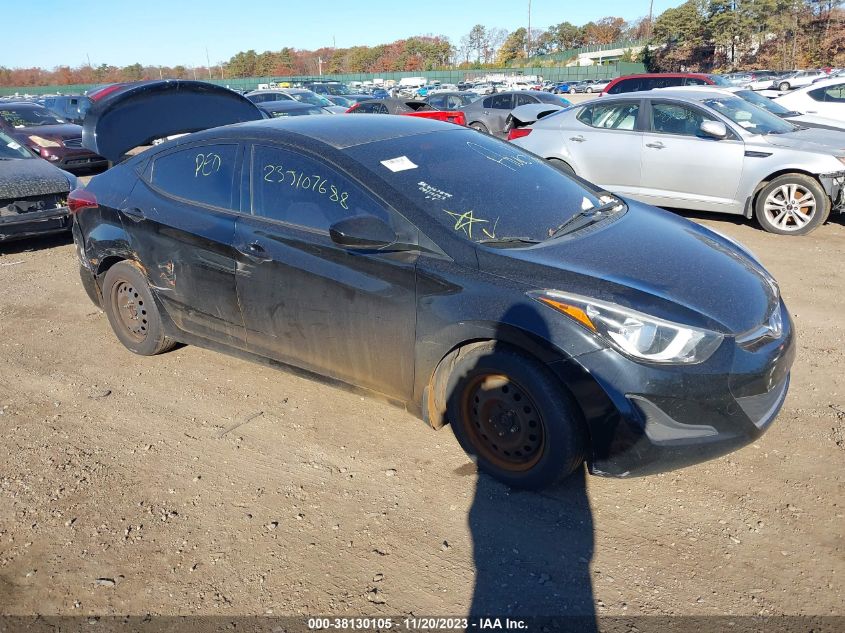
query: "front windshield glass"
338, 89
749, 116
10, 148
450, 174
312, 98
763, 102
28, 116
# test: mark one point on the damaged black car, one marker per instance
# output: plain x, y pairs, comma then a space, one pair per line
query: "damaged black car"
547, 321
33, 193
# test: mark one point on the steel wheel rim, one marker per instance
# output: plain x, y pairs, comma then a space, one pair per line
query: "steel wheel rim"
131, 312
790, 207
503, 422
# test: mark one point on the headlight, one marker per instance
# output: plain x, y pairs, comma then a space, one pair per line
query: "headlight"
44, 142
633, 333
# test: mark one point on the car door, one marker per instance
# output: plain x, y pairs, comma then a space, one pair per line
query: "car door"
605, 144
495, 115
180, 218
681, 167
309, 302
828, 102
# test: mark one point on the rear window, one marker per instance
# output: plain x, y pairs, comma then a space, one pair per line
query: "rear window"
611, 116
202, 174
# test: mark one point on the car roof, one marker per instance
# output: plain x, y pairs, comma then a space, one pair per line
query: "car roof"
339, 132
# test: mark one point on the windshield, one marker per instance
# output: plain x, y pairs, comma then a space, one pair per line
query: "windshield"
719, 80
338, 89
312, 98
10, 148
449, 174
749, 116
763, 102
28, 116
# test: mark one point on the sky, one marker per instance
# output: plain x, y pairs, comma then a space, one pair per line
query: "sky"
172, 32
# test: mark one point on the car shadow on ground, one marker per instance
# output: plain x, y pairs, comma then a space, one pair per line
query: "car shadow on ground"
532, 550
36, 243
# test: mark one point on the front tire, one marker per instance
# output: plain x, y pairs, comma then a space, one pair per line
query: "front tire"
589, 90
561, 165
132, 311
784, 86
572, 91
513, 417
792, 204
479, 127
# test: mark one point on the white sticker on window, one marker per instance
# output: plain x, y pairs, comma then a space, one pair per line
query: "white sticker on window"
401, 163
13, 145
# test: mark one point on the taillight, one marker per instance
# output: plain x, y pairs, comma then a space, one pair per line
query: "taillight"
80, 199
518, 132
352, 109
459, 118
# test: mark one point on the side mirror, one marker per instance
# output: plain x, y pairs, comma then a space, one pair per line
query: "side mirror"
363, 231
713, 129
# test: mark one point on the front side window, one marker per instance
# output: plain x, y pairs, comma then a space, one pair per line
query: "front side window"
202, 174
296, 189
611, 116
674, 118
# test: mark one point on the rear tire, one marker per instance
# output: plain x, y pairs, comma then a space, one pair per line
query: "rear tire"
572, 91
479, 127
513, 417
562, 165
792, 204
588, 90
784, 86
132, 311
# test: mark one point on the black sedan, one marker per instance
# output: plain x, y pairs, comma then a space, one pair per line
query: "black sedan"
33, 193
548, 321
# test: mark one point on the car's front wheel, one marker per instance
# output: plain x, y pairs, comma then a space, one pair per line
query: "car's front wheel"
480, 127
588, 90
792, 204
132, 311
572, 91
784, 86
513, 417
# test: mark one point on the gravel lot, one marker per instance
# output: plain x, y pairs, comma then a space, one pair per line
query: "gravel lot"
200, 483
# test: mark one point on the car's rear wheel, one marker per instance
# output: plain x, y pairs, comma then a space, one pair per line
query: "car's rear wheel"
513, 417
588, 90
563, 166
132, 311
784, 86
792, 204
480, 127
572, 91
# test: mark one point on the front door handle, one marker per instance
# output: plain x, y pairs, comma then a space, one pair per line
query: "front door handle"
577, 139
134, 213
657, 145
254, 251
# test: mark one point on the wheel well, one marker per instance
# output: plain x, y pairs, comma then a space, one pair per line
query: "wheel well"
108, 262
752, 200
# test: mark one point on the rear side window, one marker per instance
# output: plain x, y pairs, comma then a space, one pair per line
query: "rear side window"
203, 174
611, 116
831, 94
298, 190
502, 102
524, 100
626, 85
488, 102
437, 102
695, 81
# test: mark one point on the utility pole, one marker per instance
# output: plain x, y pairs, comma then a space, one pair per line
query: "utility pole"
207, 62
320, 66
528, 35
650, 17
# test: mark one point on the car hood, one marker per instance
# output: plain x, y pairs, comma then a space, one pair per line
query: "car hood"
61, 131
816, 121
23, 177
812, 140
651, 261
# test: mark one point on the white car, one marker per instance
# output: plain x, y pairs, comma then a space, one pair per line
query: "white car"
823, 98
760, 82
798, 79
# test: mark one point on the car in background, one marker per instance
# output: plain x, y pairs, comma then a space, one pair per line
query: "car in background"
268, 95
276, 109
327, 88
33, 193
797, 79
408, 107
589, 85
451, 100
824, 98
760, 81
343, 102
562, 88
706, 151
68, 107
490, 114
552, 322
483, 89
379, 93
48, 135
650, 81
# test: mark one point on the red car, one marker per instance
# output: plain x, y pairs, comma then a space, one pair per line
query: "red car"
49, 136
648, 81
408, 108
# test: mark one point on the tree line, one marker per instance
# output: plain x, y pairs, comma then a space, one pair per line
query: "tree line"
697, 35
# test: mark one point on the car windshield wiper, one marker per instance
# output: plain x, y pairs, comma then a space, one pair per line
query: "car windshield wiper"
507, 240
585, 217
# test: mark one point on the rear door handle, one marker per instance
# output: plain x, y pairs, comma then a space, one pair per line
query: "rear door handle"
134, 213
254, 251
577, 139
657, 145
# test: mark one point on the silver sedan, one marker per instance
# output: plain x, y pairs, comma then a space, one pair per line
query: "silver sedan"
707, 151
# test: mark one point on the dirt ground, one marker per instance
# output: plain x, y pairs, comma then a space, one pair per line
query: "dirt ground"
199, 483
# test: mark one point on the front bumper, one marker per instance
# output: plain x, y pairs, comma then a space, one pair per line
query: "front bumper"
657, 418
33, 224
834, 186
